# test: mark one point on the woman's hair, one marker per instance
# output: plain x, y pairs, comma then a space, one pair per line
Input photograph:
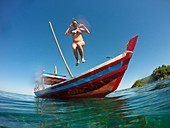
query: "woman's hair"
76, 21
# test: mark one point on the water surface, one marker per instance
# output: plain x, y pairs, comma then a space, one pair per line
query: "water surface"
143, 107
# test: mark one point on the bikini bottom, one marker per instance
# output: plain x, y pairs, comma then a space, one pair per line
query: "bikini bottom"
76, 42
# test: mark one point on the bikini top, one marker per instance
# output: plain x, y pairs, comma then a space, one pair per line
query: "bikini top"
78, 31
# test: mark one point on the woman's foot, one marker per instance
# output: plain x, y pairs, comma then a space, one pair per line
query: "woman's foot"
83, 60
77, 63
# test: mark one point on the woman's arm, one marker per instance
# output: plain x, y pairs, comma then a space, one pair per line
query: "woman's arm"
85, 30
68, 32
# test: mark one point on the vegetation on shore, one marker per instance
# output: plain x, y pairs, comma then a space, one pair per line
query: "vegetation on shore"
158, 74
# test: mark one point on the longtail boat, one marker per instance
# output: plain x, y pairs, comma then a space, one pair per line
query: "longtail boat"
96, 82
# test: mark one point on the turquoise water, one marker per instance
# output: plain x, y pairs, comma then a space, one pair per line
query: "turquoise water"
144, 107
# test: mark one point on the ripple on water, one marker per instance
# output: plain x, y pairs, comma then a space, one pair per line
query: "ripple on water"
147, 106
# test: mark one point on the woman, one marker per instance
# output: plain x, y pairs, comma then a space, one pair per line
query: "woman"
78, 42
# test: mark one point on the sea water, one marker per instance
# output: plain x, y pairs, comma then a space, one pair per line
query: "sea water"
143, 107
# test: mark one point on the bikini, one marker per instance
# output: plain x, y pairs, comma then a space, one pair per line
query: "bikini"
78, 31
74, 32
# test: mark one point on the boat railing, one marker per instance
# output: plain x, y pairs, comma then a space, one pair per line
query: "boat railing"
46, 79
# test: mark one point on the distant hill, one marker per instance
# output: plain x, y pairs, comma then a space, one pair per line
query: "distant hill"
158, 74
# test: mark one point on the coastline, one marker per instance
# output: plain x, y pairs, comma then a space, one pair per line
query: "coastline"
158, 74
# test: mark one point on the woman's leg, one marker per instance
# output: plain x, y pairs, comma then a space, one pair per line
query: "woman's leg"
74, 46
80, 46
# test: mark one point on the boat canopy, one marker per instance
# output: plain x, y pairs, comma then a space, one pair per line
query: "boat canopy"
50, 78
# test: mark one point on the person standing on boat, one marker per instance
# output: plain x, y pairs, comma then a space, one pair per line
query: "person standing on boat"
78, 42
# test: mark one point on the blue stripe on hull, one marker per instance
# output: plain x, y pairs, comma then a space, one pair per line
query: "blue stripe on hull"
84, 80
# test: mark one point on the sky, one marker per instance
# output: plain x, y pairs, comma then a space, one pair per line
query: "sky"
27, 46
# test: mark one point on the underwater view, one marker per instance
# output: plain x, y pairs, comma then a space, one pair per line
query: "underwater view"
144, 107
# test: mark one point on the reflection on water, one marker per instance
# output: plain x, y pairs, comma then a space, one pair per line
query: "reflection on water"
76, 112
147, 106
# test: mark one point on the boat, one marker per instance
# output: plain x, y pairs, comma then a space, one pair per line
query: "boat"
96, 82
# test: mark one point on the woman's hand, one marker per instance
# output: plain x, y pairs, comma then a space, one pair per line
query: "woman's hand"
85, 30
71, 25
68, 32
81, 25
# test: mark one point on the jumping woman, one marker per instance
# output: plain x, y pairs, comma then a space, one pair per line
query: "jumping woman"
78, 42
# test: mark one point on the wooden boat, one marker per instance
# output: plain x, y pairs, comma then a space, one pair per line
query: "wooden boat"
96, 82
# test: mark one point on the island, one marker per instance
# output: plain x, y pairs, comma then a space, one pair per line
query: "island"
158, 74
